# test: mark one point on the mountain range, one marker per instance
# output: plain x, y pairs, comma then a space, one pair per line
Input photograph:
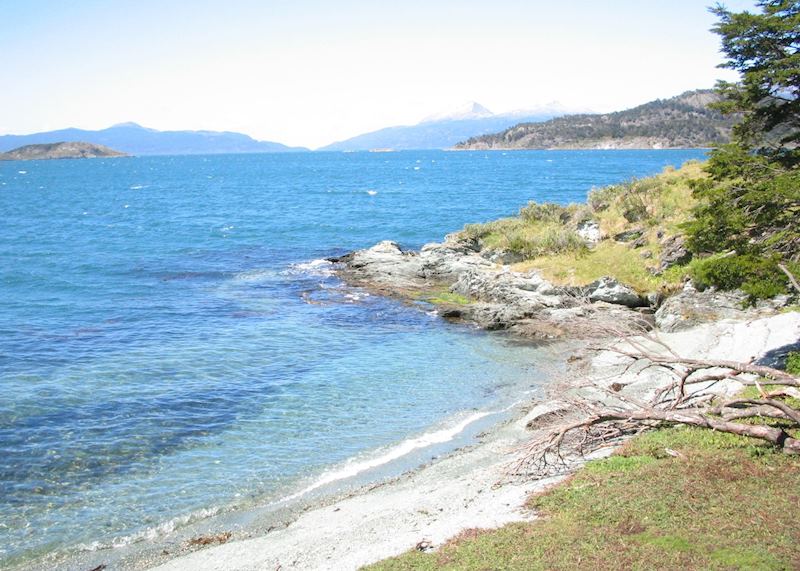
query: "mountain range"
444, 130
134, 139
686, 120
682, 121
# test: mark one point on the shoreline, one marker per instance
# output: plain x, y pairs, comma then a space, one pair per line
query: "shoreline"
448, 438
482, 486
471, 487
463, 488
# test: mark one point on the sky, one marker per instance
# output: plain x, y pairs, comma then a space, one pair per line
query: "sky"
310, 72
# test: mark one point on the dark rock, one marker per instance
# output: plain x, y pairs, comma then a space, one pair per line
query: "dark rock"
673, 252
628, 235
502, 257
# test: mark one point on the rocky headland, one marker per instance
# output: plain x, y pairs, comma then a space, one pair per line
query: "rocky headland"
619, 263
494, 296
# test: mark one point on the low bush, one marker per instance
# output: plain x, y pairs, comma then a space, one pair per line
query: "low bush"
758, 277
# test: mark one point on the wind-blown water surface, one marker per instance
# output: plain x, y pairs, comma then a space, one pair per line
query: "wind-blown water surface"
168, 346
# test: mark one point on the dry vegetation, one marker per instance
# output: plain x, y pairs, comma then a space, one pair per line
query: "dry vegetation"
546, 235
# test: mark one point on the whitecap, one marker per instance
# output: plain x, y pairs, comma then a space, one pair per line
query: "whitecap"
253, 275
320, 267
355, 296
416, 168
137, 187
151, 533
22, 172
356, 466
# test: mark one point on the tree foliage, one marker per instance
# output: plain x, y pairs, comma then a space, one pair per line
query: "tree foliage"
765, 49
749, 206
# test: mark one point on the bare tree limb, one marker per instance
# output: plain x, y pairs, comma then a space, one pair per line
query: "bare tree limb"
791, 277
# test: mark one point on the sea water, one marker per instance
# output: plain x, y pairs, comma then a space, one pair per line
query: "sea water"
173, 344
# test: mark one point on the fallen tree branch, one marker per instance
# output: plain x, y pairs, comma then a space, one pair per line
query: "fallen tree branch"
790, 275
602, 414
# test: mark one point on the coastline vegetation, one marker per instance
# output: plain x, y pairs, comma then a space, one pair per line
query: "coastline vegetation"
635, 218
736, 215
675, 498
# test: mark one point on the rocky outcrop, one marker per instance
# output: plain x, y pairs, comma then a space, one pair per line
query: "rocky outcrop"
673, 252
523, 302
386, 265
691, 307
611, 291
589, 231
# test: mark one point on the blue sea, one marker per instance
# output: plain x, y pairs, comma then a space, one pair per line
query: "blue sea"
173, 346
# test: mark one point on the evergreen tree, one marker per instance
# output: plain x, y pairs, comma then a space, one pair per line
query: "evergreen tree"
749, 207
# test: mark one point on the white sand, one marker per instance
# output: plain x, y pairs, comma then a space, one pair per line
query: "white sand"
461, 491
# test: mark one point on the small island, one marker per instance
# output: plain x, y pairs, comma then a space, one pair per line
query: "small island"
61, 150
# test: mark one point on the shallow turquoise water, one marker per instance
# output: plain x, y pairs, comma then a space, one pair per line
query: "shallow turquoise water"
166, 347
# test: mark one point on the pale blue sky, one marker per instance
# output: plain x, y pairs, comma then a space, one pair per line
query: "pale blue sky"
308, 72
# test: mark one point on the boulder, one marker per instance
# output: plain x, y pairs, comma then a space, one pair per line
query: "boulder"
385, 264
673, 252
528, 291
589, 231
691, 307
629, 235
609, 290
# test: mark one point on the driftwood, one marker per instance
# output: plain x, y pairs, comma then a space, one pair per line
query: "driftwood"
590, 422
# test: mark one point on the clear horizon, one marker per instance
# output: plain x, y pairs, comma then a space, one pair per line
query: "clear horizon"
310, 73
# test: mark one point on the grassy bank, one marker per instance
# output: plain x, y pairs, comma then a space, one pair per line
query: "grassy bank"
676, 498
635, 220
643, 231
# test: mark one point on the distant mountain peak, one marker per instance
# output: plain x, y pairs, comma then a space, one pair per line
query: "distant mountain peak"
469, 110
683, 121
128, 124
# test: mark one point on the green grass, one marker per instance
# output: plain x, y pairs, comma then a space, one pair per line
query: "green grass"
727, 502
446, 297
660, 202
438, 295
608, 258
793, 363
530, 239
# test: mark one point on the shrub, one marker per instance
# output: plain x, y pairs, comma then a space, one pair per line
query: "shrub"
793, 363
547, 212
758, 277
